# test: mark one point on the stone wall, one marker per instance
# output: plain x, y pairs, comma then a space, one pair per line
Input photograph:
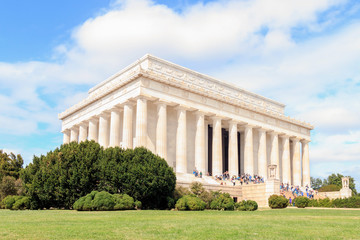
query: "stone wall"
256, 192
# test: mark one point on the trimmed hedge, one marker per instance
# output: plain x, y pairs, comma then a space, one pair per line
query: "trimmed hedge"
329, 188
104, 201
16, 202
248, 205
352, 202
302, 202
189, 202
278, 201
223, 201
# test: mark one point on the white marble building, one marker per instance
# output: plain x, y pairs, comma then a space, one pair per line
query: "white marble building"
192, 121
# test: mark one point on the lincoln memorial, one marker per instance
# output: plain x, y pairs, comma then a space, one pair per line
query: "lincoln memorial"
193, 121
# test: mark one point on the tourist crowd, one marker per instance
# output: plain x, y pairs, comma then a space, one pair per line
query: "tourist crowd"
296, 191
241, 178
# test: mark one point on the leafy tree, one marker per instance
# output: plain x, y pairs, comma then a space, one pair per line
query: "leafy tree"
335, 179
63, 175
138, 173
316, 183
10, 164
76, 169
7, 187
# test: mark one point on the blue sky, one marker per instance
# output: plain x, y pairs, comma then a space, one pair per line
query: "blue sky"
304, 54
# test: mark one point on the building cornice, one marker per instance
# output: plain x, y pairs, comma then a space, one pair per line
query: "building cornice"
180, 77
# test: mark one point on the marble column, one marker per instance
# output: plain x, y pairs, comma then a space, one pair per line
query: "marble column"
104, 129
296, 162
114, 127
74, 134
285, 159
66, 138
233, 149
274, 152
217, 147
248, 151
128, 126
141, 122
200, 163
83, 132
181, 160
305, 163
161, 130
262, 155
93, 129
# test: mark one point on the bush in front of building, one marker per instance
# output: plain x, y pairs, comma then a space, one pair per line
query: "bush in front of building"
104, 201
278, 201
301, 202
190, 202
329, 188
222, 201
351, 202
74, 170
246, 205
16, 202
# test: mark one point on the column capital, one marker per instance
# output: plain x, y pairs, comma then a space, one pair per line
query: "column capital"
182, 108
83, 123
200, 113
216, 117
274, 133
284, 136
161, 102
94, 119
232, 121
104, 114
74, 128
305, 141
129, 103
67, 130
295, 138
115, 109
263, 130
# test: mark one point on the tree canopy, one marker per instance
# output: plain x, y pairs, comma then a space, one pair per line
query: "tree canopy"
333, 179
10, 164
76, 169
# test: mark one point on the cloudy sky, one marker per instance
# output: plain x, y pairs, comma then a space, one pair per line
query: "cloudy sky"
305, 54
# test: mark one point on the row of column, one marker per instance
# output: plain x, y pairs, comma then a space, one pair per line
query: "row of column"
105, 129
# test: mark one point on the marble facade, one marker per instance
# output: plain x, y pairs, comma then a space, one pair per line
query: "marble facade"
193, 121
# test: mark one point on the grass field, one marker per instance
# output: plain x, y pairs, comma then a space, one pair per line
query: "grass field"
262, 224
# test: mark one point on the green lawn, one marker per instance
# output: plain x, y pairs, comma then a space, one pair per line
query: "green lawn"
263, 224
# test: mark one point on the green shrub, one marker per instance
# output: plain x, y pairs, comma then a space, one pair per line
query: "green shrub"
73, 170
248, 205
16, 202
138, 205
189, 202
124, 202
22, 203
222, 201
301, 202
104, 201
325, 202
313, 203
352, 202
278, 201
8, 201
329, 188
